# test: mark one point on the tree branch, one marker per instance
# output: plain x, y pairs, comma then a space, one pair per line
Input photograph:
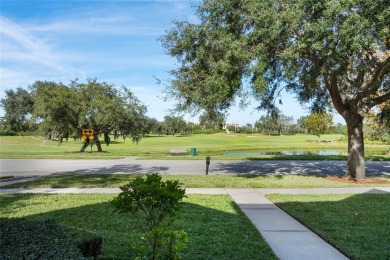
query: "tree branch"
379, 100
331, 86
372, 82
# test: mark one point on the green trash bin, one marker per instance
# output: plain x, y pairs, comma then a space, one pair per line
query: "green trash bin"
193, 151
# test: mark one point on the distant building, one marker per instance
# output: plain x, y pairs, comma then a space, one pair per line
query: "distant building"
226, 124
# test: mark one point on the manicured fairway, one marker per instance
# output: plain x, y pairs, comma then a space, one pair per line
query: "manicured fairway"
158, 147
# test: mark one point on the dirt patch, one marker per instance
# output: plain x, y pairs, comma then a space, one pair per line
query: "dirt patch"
362, 181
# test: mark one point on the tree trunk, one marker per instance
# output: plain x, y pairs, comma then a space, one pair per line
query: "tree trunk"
355, 163
97, 142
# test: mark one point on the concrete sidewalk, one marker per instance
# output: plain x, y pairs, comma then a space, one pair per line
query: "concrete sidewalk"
288, 238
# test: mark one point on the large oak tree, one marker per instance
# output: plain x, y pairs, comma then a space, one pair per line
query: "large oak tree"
329, 53
97, 105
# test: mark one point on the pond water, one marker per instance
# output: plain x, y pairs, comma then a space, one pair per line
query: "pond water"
287, 153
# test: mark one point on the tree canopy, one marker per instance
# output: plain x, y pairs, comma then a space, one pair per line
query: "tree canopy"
174, 124
318, 124
212, 119
18, 107
331, 54
274, 124
97, 105
64, 110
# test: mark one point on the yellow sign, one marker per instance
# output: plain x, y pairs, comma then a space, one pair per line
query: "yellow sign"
88, 132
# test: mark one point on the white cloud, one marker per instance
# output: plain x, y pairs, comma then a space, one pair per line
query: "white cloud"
92, 26
19, 45
115, 19
24, 53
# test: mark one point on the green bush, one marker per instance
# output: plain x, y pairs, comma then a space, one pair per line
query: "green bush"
89, 243
154, 205
12, 133
46, 239
7, 133
207, 131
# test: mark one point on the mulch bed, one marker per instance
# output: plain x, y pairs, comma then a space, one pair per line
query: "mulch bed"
361, 181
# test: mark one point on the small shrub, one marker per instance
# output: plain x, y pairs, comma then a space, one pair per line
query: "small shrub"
21, 239
153, 205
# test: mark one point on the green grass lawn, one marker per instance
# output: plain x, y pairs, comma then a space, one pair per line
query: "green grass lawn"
216, 227
157, 147
358, 225
190, 181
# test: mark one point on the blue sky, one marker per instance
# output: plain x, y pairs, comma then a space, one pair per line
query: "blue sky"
114, 41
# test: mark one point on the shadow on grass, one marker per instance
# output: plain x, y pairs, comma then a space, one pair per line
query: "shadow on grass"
358, 225
77, 180
154, 136
276, 176
94, 151
212, 233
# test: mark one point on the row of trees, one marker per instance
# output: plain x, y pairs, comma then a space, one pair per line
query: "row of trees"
62, 111
316, 124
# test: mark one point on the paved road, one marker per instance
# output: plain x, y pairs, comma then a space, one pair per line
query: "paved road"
127, 165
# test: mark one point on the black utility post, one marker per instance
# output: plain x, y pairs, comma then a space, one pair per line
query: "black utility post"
207, 164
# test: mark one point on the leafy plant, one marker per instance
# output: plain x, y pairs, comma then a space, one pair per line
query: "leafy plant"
153, 205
